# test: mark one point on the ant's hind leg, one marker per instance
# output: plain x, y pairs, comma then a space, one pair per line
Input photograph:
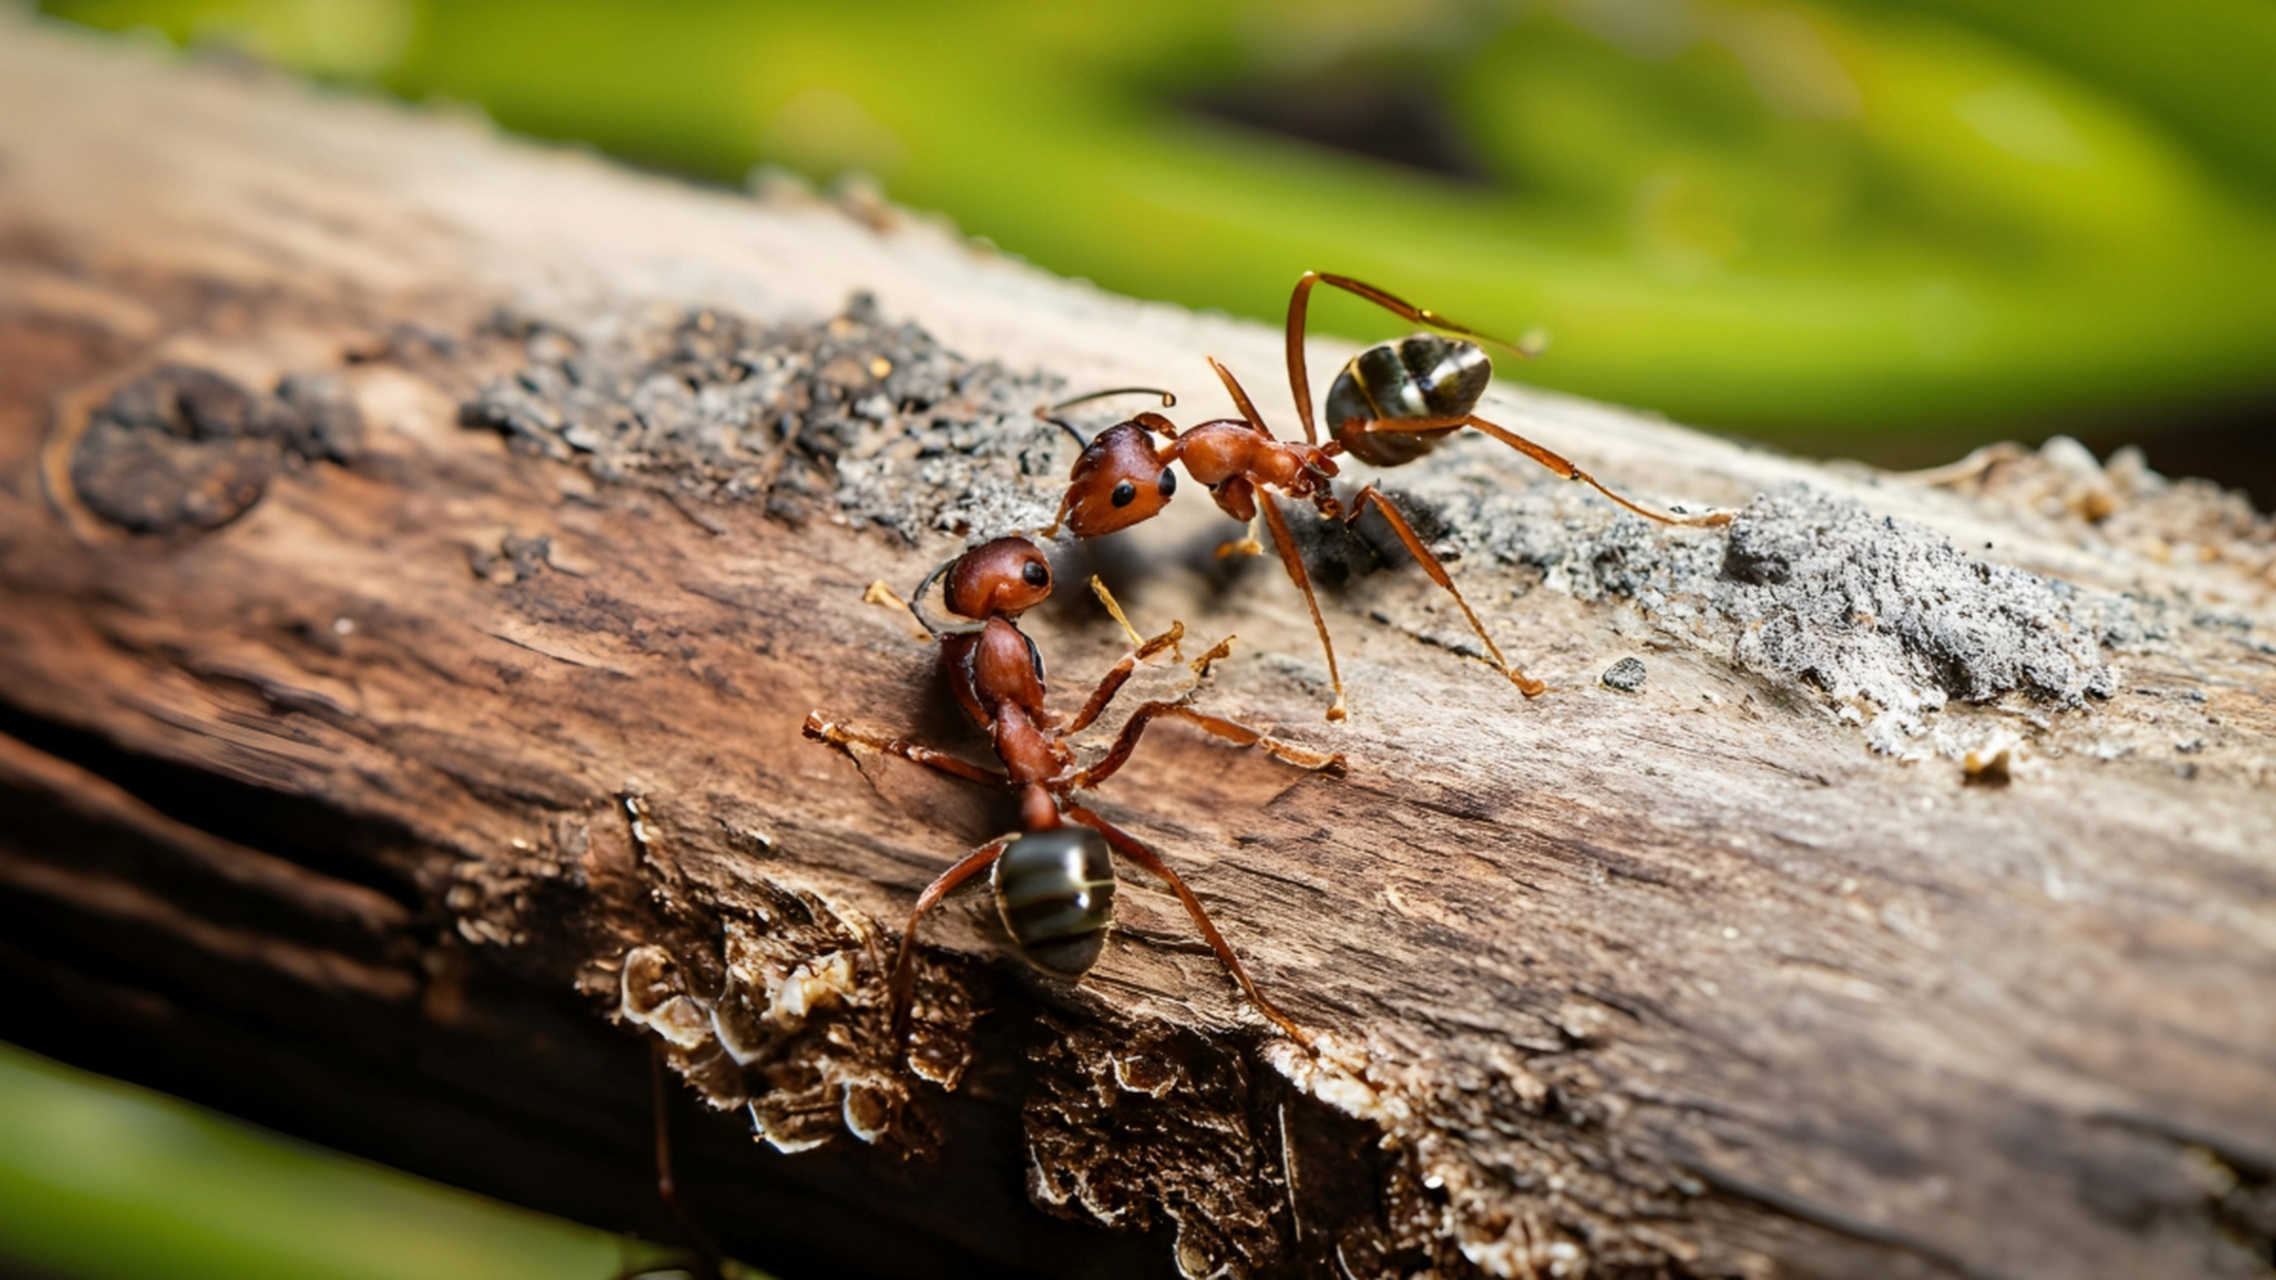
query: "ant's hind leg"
1129, 847
846, 739
1558, 464
1300, 380
1372, 496
903, 983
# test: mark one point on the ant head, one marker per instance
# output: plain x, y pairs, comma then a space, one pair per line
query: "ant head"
1119, 480
998, 579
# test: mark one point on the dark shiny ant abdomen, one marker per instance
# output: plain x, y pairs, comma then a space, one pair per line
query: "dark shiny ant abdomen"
1419, 377
1055, 891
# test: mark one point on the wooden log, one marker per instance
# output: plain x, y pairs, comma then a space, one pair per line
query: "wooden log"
418, 553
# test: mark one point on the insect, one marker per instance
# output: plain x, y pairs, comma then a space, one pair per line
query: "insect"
1054, 879
1389, 405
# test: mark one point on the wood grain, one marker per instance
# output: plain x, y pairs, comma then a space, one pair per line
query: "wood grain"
402, 808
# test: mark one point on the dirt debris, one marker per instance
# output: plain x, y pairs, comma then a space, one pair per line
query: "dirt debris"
2121, 505
185, 449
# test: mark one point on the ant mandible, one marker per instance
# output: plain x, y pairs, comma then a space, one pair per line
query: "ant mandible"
1389, 405
1054, 881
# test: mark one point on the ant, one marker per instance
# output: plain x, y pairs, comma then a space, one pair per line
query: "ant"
1054, 880
1389, 405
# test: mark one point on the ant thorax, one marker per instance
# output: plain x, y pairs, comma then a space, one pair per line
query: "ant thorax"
992, 667
1216, 452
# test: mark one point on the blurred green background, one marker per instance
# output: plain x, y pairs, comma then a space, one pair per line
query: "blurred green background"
1887, 230
104, 1181
1875, 229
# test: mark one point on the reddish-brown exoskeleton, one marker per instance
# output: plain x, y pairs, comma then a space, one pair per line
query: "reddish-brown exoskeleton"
1054, 881
1389, 405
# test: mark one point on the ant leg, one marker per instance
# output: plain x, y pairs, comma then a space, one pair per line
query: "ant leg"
1114, 608
1115, 678
1554, 462
1709, 519
1128, 846
1245, 545
1232, 731
1299, 379
845, 739
1526, 684
903, 983
1240, 398
1285, 543
1236, 497
707, 1259
1200, 666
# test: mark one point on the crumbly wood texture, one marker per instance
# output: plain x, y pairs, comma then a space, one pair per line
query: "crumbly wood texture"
418, 552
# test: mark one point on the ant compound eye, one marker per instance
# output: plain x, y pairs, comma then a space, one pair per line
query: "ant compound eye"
1168, 484
1124, 494
1036, 573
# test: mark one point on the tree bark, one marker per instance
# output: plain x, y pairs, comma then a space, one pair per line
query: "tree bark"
400, 706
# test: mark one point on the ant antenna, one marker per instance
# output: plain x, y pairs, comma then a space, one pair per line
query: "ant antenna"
1065, 426
917, 601
1168, 401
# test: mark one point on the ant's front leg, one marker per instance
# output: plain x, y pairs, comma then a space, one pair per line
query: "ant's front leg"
901, 986
846, 739
1237, 497
1120, 674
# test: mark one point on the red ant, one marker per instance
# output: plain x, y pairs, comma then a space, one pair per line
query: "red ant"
1389, 405
1054, 882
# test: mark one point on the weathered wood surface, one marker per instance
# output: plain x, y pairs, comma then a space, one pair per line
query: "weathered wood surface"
346, 812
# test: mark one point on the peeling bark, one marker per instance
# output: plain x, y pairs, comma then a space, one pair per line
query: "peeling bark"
418, 553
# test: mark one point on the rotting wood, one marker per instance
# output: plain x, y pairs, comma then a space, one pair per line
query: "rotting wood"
354, 813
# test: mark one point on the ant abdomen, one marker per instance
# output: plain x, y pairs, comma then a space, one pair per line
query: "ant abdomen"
1055, 890
1421, 376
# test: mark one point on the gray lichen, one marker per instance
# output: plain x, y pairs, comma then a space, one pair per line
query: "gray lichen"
875, 420
1885, 617
1892, 613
